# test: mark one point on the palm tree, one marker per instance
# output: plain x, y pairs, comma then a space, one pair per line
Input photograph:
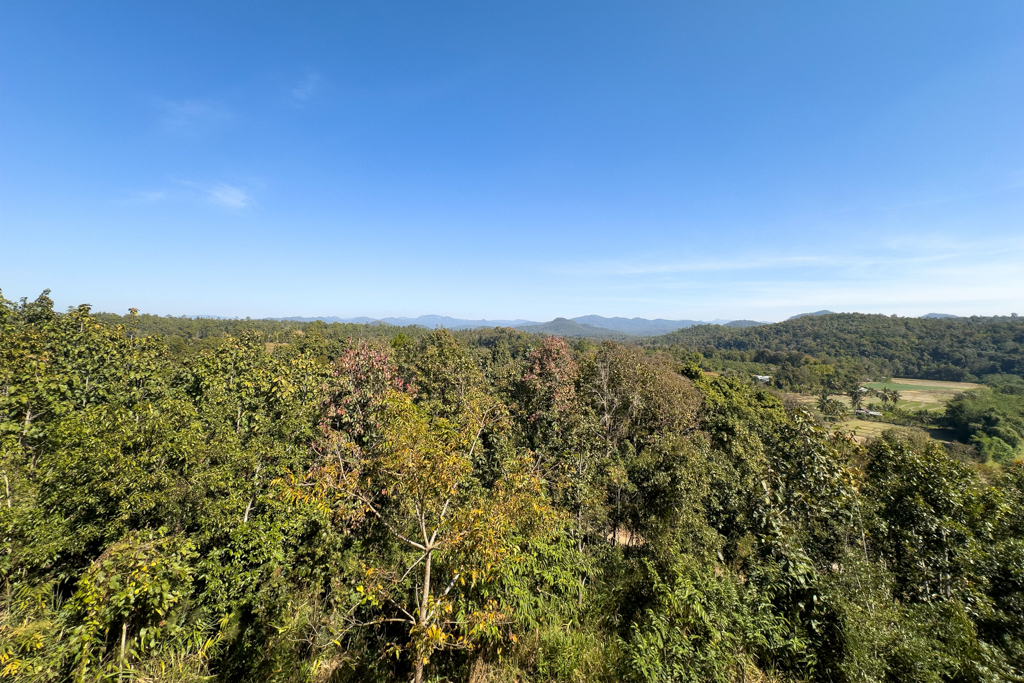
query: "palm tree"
856, 397
833, 408
890, 397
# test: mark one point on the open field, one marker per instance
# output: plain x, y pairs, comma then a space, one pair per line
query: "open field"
916, 394
923, 384
863, 430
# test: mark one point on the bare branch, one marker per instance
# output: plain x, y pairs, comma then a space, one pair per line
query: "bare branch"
444, 510
451, 584
421, 518
411, 619
390, 528
412, 566
478, 432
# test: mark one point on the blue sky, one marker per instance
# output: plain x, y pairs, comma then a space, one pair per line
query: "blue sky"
514, 159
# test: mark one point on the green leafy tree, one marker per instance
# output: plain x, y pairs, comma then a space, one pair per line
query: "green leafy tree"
401, 472
275, 500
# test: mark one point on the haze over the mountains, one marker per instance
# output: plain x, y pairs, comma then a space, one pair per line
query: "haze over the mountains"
582, 326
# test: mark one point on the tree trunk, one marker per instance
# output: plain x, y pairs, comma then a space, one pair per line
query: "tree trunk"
424, 607
124, 635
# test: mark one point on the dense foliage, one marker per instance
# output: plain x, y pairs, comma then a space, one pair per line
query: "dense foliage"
953, 349
991, 418
184, 335
489, 506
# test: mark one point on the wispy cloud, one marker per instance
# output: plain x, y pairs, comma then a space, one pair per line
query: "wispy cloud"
696, 265
897, 253
926, 275
1011, 184
219, 194
223, 194
192, 116
307, 88
150, 197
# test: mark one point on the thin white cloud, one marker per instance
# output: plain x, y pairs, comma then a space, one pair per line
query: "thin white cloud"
229, 196
896, 253
307, 88
931, 274
223, 194
639, 267
220, 194
192, 116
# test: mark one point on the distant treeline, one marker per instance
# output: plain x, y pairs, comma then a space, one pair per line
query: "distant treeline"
209, 332
186, 336
957, 349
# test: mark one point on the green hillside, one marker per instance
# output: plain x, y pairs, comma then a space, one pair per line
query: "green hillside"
564, 327
954, 349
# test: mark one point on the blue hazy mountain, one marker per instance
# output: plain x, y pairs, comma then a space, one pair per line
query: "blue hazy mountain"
939, 315
637, 326
745, 323
423, 321
804, 315
564, 327
589, 323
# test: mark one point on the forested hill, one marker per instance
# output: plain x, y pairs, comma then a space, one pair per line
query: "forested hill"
928, 348
194, 329
954, 349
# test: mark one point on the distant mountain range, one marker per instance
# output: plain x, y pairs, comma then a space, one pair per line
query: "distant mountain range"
743, 323
804, 315
563, 327
595, 326
583, 326
430, 321
637, 326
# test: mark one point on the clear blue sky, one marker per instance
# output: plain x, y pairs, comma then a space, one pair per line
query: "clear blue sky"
514, 159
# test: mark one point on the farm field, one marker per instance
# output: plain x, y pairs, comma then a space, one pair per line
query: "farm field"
915, 394
865, 430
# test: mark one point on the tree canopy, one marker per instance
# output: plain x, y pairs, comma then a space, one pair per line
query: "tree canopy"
953, 349
486, 506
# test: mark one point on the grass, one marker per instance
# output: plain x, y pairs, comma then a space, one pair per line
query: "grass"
922, 393
915, 394
862, 429
900, 384
898, 387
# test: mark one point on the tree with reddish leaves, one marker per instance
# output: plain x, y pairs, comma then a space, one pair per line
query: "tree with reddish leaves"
548, 397
397, 473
